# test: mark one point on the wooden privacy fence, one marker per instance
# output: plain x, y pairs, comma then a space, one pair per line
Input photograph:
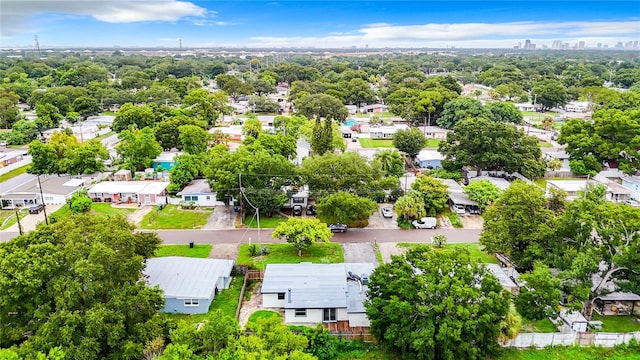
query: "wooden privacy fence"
254, 275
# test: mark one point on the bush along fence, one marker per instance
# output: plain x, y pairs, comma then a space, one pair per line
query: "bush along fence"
542, 340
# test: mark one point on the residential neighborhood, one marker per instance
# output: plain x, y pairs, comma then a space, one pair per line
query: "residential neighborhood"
334, 198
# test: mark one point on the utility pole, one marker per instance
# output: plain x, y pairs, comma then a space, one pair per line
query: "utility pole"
241, 207
44, 206
18, 219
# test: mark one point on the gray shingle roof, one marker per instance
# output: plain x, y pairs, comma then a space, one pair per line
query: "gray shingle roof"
186, 278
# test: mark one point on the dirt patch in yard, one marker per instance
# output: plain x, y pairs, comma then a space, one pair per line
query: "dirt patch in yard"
388, 249
252, 305
224, 251
472, 221
359, 253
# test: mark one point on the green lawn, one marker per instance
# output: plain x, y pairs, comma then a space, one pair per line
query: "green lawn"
104, 136
265, 223
13, 173
287, 254
375, 143
8, 217
454, 218
544, 144
172, 217
474, 250
617, 323
263, 314
102, 209
432, 143
571, 353
541, 326
226, 301
198, 251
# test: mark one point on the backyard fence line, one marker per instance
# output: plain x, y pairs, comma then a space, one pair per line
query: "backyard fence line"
244, 286
541, 340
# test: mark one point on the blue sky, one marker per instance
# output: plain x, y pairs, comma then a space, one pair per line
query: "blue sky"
320, 24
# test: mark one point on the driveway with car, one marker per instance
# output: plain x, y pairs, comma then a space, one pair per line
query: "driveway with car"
378, 221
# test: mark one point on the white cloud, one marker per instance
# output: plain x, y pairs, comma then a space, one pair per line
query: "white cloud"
15, 13
464, 34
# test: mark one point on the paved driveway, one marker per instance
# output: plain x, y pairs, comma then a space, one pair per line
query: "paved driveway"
223, 217
377, 221
359, 253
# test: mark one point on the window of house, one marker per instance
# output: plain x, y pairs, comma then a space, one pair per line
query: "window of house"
191, 302
298, 200
329, 315
280, 296
208, 197
301, 312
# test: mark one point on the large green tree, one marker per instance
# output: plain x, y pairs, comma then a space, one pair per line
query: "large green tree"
64, 154
194, 139
436, 304
540, 294
346, 208
462, 108
141, 116
391, 161
77, 285
488, 145
483, 192
434, 193
409, 141
549, 93
302, 233
321, 106
521, 225
138, 148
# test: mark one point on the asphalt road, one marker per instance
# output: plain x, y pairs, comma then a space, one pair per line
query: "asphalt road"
352, 236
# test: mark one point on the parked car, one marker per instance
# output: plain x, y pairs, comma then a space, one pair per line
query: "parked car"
354, 139
311, 210
425, 223
338, 228
297, 210
387, 212
458, 209
36, 209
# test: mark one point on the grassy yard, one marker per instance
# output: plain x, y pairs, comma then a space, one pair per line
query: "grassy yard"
226, 301
287, 254
571, 353
617, 323
375, 143
263, 314
432, 143
474, 250
8, 217
13, 173
104, 136
102, 209
198, 251
172, 217
544, 144
454, 218
265, 223
541, 326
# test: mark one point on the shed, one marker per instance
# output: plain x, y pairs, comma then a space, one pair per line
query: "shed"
618, 303
505, 280
189, 284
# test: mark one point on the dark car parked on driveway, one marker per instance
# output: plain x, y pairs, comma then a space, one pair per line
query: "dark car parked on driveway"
338, 228
311, 210
297, 210
36, 209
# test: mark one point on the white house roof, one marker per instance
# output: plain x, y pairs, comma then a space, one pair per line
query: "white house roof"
167, 156
504, 279
51, 184
452, 185
186, 278
501, 183
199, 186
461, 198
425, 155
620, 296
129, 187
308, 285
569, 185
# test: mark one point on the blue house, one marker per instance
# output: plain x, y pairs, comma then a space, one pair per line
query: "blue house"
189, 284
429, 159
166, 159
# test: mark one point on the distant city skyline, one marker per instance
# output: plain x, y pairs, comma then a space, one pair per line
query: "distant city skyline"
320, 24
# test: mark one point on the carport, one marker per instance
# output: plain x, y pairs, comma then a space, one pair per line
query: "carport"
460, 198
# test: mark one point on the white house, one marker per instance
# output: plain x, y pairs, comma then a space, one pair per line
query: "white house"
577, 106
385, 132
563, 156
614, 191
633, 184
55, 191
374, 108
429, 159
188, 284
142, 192
298, 196
315, 293
303, 150
198, 192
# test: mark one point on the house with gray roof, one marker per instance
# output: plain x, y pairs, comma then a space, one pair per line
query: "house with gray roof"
318, 293
55, 191
189, 284
199, 193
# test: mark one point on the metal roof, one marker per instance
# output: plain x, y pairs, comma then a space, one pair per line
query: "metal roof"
501, 183
425, 155
620, 296
129, 187
317, 286
502, 276
51, 184
461, 198
199, 186
186, 278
